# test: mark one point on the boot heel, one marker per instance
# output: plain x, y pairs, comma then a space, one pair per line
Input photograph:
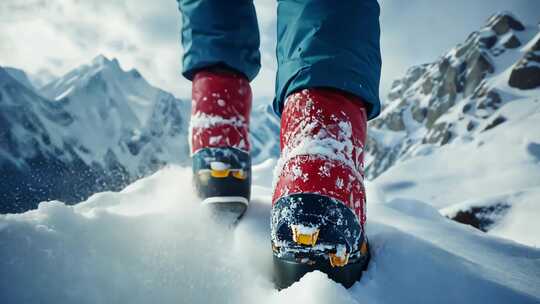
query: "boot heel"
222, 178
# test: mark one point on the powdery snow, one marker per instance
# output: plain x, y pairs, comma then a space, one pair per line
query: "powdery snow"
307, 141
152, 243
203, 120
65, 93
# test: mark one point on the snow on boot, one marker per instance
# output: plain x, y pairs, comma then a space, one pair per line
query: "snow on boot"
318, 212
219, 141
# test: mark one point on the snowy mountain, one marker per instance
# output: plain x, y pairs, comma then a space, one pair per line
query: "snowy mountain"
37, 162
462, 133
142, 126
21, 77
115, 128
100, 128
456, 98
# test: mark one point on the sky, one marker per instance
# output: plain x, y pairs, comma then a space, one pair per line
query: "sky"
46, 37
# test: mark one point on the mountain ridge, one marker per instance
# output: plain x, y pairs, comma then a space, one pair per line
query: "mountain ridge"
114, 120
98, 143
454, 97
116, 126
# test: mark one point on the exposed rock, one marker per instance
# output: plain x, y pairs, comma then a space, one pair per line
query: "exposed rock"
512, 42
492, 100
440, 133
419, 114
478, 67
427, 86
470, 126
466, 108
434, 112
526, 73
394, 122
503, 22
421, 105
449, 80
481, 217
488, 41
395, 90
497, 121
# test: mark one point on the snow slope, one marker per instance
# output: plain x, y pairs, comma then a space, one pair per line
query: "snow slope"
500, 166
152, 243
496, 161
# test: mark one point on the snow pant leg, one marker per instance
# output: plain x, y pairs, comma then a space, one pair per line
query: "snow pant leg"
220, 32
329, 44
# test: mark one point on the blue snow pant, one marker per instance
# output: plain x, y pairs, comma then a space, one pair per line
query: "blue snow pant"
321, 43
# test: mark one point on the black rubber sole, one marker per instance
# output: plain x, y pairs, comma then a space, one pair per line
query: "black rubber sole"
288, 272
228, 212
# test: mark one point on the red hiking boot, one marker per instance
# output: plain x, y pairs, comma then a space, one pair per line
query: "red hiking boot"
219, 140
318, 212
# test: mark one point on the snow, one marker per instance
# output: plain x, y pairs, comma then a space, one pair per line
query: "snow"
152, 242
64, 94
311, 138
494, 162
203, 120
307, 230
111, 112
215, 165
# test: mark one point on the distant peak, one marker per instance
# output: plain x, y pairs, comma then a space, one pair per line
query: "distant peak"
102, 60
135, 73
20, 76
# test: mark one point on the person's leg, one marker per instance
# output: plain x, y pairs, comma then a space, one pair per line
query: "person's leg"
329, 44
222, 33
327, 83
221, 55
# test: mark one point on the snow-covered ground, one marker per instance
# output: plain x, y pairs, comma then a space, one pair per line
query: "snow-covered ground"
501, 165
151, 243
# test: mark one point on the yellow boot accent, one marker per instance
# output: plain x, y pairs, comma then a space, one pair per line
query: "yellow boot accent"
309, 239
239, 174
219, 173
364, 248
338, 261
275, 248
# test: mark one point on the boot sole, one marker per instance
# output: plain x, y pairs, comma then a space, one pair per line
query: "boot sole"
226, 207
287, 272
308, 229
